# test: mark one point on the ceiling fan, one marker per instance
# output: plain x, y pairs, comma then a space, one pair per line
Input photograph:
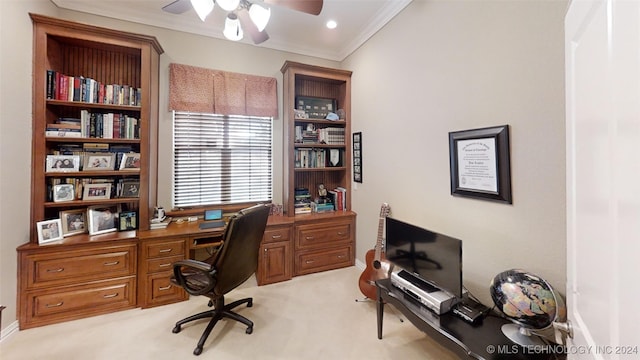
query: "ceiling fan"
243, 15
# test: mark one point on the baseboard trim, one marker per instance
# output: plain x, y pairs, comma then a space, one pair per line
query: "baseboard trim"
9, 330
360, 265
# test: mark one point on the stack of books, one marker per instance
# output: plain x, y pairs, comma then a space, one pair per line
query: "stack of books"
302, 202
321, 208
339, 198
160, 223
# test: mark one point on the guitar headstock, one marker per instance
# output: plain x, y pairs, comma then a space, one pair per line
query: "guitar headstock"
385, 209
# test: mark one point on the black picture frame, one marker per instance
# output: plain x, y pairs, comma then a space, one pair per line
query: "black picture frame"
480, 163
357, 157
127, 220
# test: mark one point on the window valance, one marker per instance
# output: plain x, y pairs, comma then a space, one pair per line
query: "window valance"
197, 89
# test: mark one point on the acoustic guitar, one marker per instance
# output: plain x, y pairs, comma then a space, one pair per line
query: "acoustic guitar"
377, 266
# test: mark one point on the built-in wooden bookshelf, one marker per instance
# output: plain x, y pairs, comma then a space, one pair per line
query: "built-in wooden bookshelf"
95, 92
309, 81
84, 275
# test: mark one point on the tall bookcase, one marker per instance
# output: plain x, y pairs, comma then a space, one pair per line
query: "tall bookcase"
302, 81
85, 275
98, 58
321, 241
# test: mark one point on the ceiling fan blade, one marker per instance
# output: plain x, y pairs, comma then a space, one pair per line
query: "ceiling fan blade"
177, 7
313, 7
249, 27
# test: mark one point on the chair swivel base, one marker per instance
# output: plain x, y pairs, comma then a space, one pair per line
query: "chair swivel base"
220, 311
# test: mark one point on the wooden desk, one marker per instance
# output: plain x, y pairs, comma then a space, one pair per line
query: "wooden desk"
483, 341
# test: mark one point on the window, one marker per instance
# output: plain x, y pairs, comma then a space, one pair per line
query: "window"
220, 159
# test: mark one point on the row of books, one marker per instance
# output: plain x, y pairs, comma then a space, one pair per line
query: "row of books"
339, 198
328, 135
69, 189
96, 125
83, 89
336, 201
317, 158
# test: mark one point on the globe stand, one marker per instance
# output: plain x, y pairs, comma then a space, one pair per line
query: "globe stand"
521, 335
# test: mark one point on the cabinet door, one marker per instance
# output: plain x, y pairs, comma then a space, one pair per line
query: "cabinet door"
274, 263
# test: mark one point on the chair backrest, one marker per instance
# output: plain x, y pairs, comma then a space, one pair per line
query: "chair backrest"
237, 259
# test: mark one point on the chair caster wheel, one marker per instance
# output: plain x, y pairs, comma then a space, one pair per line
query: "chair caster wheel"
197, 351
176, 329
250, 303
249, 330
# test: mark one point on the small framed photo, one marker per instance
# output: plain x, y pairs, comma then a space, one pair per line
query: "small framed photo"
127, 220
73, 222
102, 219
130, 161
97, 191
131, 189
49, 231
62, 163
64, 192
99, 161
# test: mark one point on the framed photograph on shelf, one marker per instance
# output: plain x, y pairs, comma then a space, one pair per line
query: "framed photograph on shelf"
131, 189
62, 163
73, 222
127, 220
49, 231
99, 191
357, 157
99, 161
130, 161
64, 192
479, 163
102, 219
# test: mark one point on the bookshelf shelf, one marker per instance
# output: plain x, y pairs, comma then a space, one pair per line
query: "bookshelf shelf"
85, 203
89, 105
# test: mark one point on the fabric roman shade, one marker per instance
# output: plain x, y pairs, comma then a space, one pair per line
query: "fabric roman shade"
196, 89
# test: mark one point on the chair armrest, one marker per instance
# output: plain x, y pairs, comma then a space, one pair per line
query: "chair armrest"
196, 277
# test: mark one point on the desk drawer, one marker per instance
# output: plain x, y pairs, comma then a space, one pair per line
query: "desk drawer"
322, 235
161, 291
162, 264
276, 234
75, 266
165, 248
310, 262
74, 302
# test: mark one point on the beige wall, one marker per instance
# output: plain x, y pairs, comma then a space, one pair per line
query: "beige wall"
437, 67
447, 66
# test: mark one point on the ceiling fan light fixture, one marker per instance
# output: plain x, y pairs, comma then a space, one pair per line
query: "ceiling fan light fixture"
232, 29
203, 8
228, 5
259, 15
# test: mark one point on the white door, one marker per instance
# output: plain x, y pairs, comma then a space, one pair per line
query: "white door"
602, 40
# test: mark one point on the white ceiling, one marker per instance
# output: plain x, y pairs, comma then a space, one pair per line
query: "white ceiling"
288, 30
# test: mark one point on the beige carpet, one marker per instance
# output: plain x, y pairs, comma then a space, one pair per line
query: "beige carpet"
309, 317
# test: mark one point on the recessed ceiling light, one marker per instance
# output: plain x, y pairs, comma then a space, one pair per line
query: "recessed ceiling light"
332, 24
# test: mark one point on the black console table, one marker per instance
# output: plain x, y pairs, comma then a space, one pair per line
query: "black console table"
482, 341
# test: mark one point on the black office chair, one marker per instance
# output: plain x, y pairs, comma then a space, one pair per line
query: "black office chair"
233, 263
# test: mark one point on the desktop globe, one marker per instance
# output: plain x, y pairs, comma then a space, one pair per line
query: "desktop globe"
529, 301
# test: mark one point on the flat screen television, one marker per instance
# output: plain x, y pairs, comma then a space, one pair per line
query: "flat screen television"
432, 257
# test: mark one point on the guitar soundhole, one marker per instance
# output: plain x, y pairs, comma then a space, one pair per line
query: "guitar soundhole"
376, 264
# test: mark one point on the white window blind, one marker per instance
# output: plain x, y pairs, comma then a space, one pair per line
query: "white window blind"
221, 159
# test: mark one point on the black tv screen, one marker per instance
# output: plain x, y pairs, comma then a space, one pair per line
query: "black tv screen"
433, 257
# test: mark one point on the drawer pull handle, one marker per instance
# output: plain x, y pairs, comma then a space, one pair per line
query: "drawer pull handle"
55, 270
310, 261
276, 236
341, 256
164, 265
112, 263
109, 296
165, 250
309, 237
164, 288
55, 305
340, 233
